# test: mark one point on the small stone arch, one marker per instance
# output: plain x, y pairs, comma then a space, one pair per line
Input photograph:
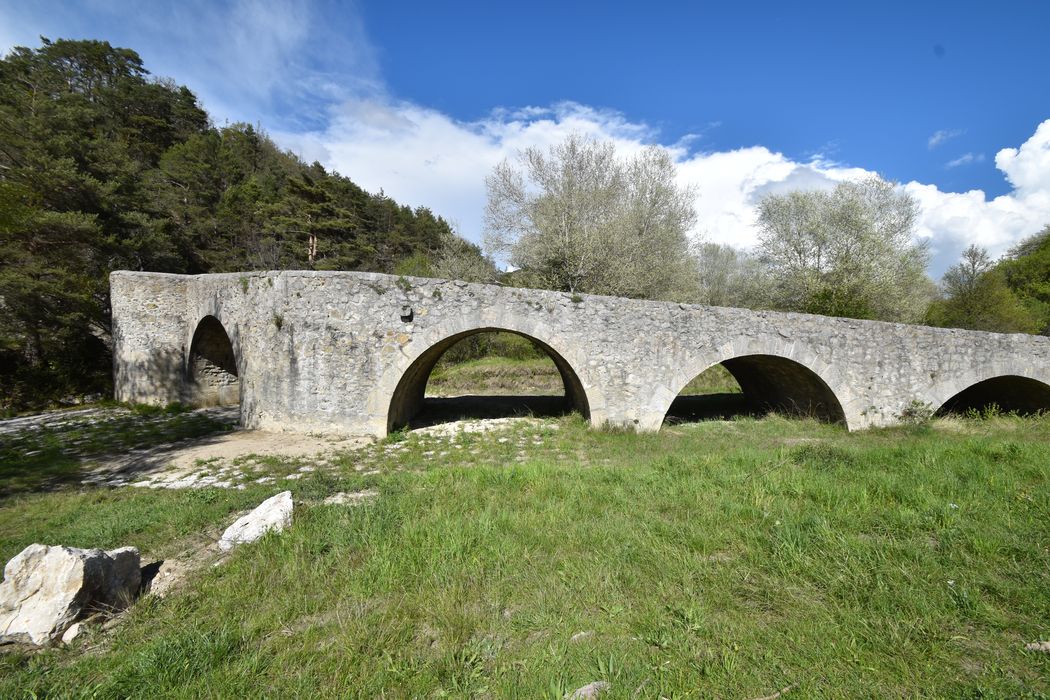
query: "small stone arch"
406, 398
772, 379
212, 375
1010, 392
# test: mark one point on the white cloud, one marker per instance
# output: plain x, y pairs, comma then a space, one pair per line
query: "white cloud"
951, 220
941, 136
276, 61
1028, 168
965, 159
421, 156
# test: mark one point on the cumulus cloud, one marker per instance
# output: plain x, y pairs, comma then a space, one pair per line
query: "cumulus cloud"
941, 136
423, 157
952, 220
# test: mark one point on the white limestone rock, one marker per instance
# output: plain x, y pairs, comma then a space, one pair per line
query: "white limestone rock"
589, 691
273, 514
46, 589
73, 632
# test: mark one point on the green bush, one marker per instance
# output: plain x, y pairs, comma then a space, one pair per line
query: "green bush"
498, 344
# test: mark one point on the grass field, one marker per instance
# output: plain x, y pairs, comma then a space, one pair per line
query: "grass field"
722, 559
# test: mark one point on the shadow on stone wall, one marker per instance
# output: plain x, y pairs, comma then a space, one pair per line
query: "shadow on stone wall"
156, 380
212, 378
769, 384
1009, 393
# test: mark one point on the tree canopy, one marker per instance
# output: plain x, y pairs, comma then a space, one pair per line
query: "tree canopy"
1011, 295
848, 252
976, 296
104, 167
1026, 270
579, 218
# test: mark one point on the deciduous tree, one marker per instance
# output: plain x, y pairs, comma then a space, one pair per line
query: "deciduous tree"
977, 296
848, 252
580, 218
1027, 272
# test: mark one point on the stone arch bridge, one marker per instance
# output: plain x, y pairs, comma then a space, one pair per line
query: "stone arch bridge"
350, 352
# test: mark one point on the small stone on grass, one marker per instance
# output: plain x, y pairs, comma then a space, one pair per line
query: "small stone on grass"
275, 513
589, 691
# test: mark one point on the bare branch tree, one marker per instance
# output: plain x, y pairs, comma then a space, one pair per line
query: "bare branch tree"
847, 252
581, 219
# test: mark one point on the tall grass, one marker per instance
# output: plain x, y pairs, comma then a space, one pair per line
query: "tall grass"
722, 559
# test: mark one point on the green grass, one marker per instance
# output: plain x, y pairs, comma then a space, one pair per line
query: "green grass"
497, 375
722, 559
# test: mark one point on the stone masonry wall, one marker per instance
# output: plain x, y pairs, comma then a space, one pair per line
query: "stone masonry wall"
326, 351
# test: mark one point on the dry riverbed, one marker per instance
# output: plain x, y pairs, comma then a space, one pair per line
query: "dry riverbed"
113, 447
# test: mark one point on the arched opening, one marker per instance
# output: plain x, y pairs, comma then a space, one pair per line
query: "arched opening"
756, 385
438, 389
1010, 393
212, 377
714, 394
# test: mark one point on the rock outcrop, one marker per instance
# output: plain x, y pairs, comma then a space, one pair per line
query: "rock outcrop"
47, 589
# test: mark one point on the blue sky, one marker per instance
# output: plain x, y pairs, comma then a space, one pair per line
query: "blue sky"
423, 99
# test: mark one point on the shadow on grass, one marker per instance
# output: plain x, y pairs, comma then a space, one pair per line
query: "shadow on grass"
51, 453
446, 410
691, 409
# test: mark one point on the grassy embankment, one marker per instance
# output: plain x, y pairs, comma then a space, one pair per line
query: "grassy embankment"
721, 559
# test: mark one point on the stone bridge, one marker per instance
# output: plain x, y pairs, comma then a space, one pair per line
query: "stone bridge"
350, 352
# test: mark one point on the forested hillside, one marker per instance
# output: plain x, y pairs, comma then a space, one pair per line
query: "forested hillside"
104, 167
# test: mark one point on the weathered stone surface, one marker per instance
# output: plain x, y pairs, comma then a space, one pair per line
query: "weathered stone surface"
273, 514
1043, 647
333, 352
589, 691
46, 589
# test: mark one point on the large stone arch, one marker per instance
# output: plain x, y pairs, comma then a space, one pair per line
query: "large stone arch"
1012, 388
777, 375
402, 384
212, 370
